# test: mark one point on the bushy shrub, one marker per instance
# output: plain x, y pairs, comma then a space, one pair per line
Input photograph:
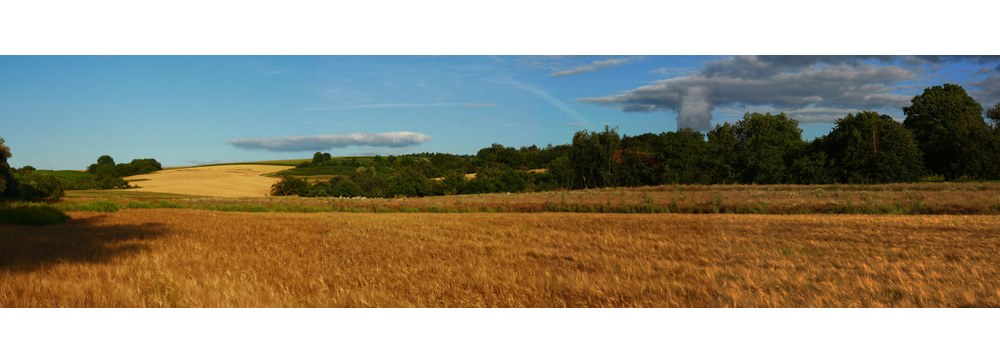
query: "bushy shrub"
144, 165
344, 187
101, 205
813, 168
451, 184
372, 184
289, 186
320, 189
34, 186
34, 215
409, 182
108, 182
499, 178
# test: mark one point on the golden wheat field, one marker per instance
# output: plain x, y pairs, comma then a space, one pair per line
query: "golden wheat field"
218, 181
197, 258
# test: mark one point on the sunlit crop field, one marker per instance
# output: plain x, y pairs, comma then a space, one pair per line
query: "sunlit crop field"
197, 258
220, 181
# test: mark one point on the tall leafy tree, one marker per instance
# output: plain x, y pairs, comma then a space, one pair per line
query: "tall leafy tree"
7, 184
949, 129
106, 160
592, 158
994, 115
993, 149
813, 168
683, 152
560, 171
872, 148
766, 146
721, 162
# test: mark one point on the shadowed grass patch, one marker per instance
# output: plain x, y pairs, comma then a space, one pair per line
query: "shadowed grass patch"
31, 214
102, 205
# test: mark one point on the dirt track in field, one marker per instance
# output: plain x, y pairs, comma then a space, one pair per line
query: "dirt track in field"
218, 181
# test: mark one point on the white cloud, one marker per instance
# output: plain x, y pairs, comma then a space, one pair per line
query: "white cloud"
674, 71
597, 65
401, 105
326, 142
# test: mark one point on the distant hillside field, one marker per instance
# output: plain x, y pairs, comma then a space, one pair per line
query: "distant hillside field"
291, 163
215, 181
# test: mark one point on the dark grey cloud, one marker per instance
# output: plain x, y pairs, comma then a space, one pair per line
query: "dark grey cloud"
788, 82
988, 92
770, 65
326, 142
941, 59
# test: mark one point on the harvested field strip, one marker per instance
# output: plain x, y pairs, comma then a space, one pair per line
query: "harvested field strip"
190, 258
952, 198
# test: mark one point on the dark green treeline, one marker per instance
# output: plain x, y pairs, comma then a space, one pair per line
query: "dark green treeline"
944, 134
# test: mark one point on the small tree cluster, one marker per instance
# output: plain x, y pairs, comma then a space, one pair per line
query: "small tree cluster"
33, 185
109, 175
25, 183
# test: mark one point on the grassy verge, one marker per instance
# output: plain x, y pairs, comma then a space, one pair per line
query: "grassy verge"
101, 205
118, 194
31, 214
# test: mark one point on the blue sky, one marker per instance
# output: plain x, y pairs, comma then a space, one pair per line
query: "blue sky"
62, 112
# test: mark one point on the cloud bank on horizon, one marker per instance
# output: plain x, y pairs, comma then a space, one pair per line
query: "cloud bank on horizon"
326, 142
815, 88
